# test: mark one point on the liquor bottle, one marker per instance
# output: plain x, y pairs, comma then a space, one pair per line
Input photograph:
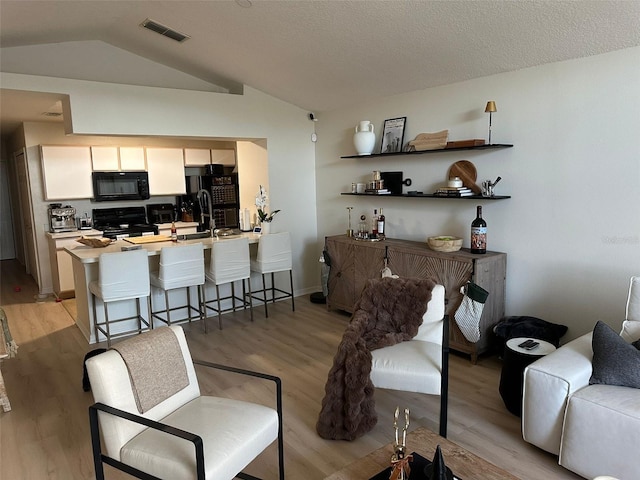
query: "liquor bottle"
174, 232
479, 233
381, 220
374, 223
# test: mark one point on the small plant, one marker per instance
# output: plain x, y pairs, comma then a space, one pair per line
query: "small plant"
261, 202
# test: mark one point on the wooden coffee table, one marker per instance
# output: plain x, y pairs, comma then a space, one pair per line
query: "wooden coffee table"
465, 465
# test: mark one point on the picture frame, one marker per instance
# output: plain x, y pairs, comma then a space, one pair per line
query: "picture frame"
393, 135
257, 229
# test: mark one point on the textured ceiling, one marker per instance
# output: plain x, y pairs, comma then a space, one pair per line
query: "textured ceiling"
319, 55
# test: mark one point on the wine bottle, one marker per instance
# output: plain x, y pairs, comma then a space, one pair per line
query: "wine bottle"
381, 220
174, 232
479, 233
374, 223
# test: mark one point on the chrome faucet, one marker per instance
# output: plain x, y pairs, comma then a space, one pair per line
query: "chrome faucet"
204, 195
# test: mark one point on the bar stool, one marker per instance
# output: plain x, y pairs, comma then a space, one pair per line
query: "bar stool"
229, 263
121, 276
181, 266
274, 255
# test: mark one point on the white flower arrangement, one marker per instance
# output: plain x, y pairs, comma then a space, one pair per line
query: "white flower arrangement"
261, 202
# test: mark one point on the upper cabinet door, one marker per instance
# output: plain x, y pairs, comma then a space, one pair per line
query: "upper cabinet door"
132, 159
166, 171
226, 157
197, 157
105, 158
66, 172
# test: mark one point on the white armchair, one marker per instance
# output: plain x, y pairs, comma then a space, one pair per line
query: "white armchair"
186, 435
422, 363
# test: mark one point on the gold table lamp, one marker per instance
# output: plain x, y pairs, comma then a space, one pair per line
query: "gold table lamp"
490, 108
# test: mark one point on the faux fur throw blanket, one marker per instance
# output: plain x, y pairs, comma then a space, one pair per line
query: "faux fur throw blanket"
389, 311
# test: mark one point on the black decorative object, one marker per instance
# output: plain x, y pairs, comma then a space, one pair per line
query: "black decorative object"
437, 470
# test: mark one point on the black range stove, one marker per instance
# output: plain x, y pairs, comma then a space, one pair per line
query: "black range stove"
122, 222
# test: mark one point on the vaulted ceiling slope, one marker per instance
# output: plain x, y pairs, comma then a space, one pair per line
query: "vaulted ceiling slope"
321, 55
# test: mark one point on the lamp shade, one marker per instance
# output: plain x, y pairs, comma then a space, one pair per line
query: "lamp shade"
491, 107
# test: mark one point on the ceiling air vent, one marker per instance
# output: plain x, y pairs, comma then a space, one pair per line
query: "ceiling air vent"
164, 30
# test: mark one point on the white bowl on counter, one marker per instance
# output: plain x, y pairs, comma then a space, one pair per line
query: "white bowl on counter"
445, 243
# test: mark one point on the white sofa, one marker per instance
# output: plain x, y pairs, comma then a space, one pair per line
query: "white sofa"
594, 429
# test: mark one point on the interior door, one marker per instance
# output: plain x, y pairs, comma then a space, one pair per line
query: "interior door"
7, 244
26, 216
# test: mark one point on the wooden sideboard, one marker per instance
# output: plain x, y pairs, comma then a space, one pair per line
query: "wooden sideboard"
353, 262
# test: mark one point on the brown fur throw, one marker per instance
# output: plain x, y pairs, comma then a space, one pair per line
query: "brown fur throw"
389, 311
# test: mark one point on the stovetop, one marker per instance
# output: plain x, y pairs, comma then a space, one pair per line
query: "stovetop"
122, 222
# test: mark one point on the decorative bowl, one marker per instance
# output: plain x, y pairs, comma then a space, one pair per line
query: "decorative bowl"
445, 243
95, 242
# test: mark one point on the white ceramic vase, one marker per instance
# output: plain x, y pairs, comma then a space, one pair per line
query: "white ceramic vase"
364, 139
266, 227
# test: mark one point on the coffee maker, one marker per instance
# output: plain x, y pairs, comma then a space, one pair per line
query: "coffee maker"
62, 219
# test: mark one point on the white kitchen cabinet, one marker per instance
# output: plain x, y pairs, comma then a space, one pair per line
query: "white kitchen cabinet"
197, 157
166, 171
105, 158
66, 172
226, 157
132, 159
113, 158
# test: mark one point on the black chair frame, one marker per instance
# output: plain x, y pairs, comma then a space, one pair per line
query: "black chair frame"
100, 458
190, 308
280, 295
444, 378
243, 302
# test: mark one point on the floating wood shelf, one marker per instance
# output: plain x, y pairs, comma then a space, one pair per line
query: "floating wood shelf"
493, 146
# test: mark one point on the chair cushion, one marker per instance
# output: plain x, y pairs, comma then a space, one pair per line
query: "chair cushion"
233, 432
412, 366
274, 254
631, 326
122, 276
180, 266
431, 328
633, 301
229, 261
601, 429
615, 362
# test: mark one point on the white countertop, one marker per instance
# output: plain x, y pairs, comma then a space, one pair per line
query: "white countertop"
75, 233
86, 254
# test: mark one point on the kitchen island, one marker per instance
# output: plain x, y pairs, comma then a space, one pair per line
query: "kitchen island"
84, 260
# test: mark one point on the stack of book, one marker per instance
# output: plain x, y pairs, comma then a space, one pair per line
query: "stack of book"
453, 192
379, 191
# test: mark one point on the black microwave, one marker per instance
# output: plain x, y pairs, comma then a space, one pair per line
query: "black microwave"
113, 186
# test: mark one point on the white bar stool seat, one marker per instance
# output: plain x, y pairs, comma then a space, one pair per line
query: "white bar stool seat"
273, 256
121, 276
181, 266
229, 263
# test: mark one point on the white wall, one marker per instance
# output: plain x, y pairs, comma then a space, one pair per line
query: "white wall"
121, 110
253, 167
572, 227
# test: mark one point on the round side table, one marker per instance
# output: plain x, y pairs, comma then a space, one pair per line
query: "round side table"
515, 360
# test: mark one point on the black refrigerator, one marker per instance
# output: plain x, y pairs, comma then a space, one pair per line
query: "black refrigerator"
225, 198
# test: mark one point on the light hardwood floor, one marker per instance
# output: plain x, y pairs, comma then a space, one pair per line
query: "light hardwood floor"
46, 435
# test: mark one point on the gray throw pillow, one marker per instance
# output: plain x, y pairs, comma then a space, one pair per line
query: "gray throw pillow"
615, 362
